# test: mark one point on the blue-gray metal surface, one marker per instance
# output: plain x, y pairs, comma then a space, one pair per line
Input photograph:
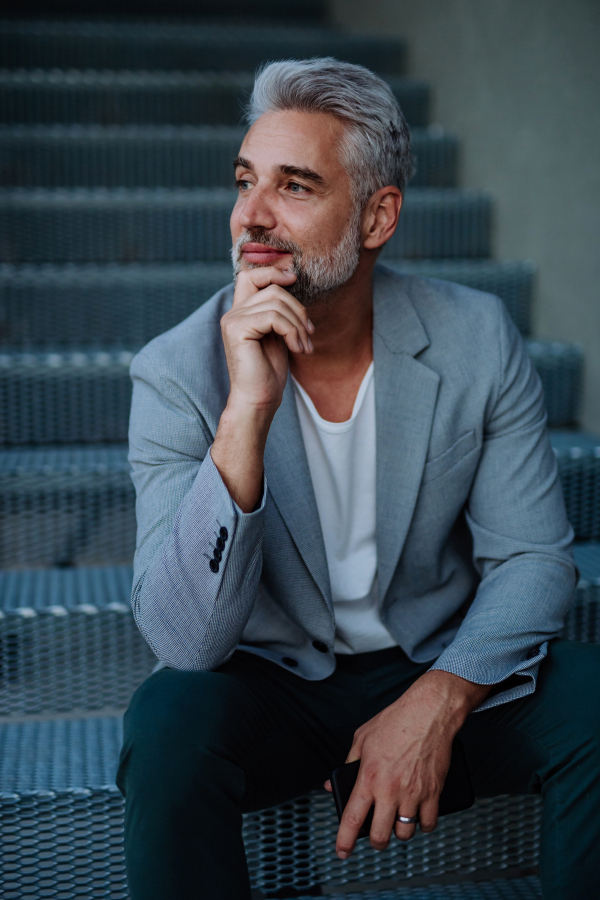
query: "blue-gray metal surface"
527, 888
76, 306
60, 771
179, 225
68, 640
137, 97
166, 45
560, 367
85, 396
64, 398
511, 280
163, 156
66, 506
578, 456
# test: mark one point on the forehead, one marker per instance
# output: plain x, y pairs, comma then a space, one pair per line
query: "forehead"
293, 138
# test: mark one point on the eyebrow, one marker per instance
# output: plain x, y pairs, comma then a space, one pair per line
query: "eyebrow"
307, 174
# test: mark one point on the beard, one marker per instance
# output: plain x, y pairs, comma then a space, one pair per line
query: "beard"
317, 275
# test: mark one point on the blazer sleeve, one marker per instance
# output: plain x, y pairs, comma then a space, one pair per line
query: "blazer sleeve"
191, 616
521, 537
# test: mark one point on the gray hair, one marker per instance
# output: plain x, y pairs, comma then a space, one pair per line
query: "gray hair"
376, 145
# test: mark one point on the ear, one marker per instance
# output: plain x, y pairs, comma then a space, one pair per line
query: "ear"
380, 217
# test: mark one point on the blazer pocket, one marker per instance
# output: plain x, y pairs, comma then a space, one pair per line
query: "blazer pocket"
450, 457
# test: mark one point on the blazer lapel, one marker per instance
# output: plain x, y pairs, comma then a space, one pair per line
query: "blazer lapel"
290, 485
405, 397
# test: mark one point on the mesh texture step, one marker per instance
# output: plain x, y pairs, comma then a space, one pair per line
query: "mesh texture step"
64, 398
166, 45
528, 888
178, 225
560, 367
68, 640
102, 97
75, 306
57, 773
85, 396
578, 456
66, 506
163, 156
75, 505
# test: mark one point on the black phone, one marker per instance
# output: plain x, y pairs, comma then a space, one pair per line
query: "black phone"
457, 793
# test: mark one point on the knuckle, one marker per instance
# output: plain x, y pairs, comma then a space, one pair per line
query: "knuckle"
352, 819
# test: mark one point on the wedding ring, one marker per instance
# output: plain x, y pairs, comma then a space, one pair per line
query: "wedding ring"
408, 820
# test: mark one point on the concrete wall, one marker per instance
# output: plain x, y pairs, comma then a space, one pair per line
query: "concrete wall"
519, 82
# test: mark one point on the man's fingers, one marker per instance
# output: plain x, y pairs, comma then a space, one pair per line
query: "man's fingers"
428, 815
278, 304
354, 815
409, 809
383, 824
252, 280
271, 320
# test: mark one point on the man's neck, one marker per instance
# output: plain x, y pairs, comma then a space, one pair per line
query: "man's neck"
343, 341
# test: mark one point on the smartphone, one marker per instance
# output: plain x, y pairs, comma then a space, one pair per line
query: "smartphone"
457, 793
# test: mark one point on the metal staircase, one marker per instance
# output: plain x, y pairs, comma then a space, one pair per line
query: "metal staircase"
116, 140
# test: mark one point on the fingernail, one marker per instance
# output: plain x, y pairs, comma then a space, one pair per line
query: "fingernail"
342, 854
288, 271
310, 345
310, 326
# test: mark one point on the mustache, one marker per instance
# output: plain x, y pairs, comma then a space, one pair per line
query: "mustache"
261, 236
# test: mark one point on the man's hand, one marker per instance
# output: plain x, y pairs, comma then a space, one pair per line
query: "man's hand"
263, 325
405, 755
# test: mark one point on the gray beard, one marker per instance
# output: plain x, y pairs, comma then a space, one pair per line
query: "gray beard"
317, 277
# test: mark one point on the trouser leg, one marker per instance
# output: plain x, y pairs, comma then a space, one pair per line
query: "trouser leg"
199, 749
549, 743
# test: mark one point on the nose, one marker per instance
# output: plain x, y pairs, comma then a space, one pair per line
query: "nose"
254, 210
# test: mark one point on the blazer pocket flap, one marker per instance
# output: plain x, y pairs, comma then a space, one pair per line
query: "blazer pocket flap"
439, 465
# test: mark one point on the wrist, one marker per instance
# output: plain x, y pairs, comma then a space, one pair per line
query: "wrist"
454, 697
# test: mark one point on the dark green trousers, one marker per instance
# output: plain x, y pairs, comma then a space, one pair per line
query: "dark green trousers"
201, 748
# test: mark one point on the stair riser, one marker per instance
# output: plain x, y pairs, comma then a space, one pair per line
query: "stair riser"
181, 226
191, 48
150, 99
58, 519
59, 660
66, 402
290, 846
64, 660
78, 306
68, 158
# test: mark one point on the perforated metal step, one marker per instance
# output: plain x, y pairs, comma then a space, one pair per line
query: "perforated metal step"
560, 367
55, 780
500, 889
179, 225
61, 506
68, 641
103, 97
578, 456
167, 45
163, 156
85, 396
75, 306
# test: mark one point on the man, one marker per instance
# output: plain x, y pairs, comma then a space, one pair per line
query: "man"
352, 542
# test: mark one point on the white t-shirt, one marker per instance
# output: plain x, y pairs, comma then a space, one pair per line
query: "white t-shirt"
341, 459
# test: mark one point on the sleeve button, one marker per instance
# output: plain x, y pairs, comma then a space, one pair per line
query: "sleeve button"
214, 566
288, 661
223, 532
220, 543
320, 646
217, 554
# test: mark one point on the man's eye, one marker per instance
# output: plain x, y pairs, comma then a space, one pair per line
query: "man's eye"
242, 184
296, 188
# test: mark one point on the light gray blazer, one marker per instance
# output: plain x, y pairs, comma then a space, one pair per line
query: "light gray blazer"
474, 567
